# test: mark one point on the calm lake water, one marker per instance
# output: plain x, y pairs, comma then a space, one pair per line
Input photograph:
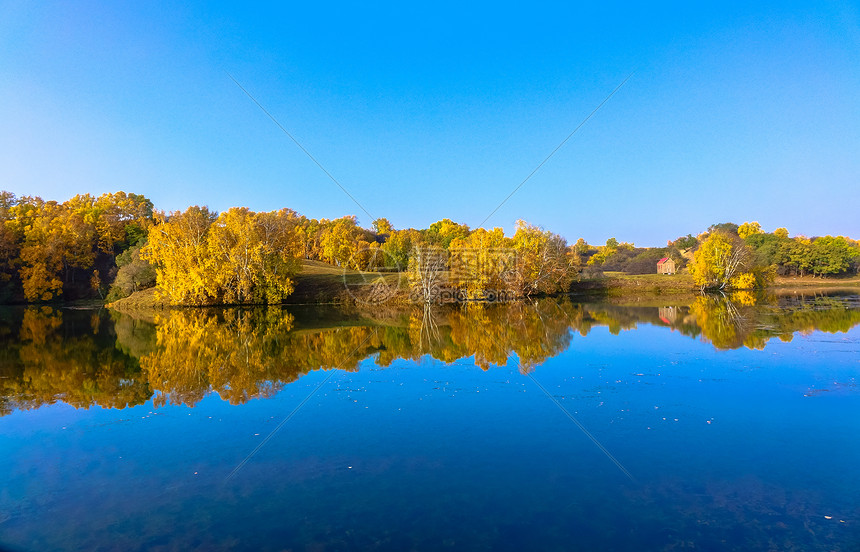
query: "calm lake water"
720, 425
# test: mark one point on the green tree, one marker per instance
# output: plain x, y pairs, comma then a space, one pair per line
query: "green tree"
727, 227
832, 255
446, 231
685, 242
798, 255
134, 274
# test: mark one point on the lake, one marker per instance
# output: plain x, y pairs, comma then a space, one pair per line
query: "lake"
723, 424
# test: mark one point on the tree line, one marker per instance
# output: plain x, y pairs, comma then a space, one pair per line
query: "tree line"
50, 249
117, 243
731, 256
112, 245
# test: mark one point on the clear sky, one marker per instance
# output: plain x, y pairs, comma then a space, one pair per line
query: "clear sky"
432, 110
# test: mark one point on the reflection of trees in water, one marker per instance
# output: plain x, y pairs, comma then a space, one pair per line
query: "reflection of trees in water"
725, 324
86, 358
233, 352
66, 357
740, 320
246, 354
491, 333
428, 329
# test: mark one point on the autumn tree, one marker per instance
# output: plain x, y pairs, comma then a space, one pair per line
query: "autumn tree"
122, 220
781, 233
9, 241
344, 243
178, 247
237, 257
606, 251
399, 246
382, 226
749, 229
581, 246
723, 261
252, 256
426, 272
59, 239
543, 262
481, 263
54, 245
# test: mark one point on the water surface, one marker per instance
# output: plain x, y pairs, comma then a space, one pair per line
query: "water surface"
720, 425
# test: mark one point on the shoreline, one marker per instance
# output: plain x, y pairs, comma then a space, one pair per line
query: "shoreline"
334, 288
642, 290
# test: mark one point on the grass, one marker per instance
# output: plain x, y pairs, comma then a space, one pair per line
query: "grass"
637, 289
614, 283
851, 281
322, 283
319, 282
143, 303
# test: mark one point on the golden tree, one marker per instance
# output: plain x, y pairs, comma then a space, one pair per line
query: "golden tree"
748, 229
238, 257
252, 255
544, 264
178, 247
723, 261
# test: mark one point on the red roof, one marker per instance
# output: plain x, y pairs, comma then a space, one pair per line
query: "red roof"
663, 260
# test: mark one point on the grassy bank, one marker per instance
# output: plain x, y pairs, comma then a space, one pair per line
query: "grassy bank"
322, 283
640, 289
811, 282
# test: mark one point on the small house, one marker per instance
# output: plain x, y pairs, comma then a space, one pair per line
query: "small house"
665, 266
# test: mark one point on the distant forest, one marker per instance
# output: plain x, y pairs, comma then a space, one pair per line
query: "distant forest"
110, 246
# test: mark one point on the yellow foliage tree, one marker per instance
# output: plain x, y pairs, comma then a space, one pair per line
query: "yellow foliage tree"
343, 243
56, 239
252, 255
724, 262
481, 263
748, 229
544, 264
178, 247
238, 257
445, 231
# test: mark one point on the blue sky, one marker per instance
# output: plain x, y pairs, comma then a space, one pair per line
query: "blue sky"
426, 111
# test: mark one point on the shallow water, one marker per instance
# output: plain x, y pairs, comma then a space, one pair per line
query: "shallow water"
547, 426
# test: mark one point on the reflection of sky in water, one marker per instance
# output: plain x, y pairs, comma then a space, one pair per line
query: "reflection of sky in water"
729, 450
